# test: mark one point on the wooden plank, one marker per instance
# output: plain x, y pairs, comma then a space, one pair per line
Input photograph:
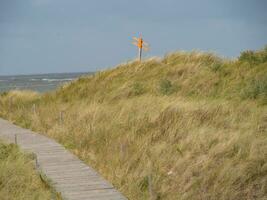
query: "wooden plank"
70, 176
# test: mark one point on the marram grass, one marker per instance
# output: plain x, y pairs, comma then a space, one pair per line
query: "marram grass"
188, 126
18, 177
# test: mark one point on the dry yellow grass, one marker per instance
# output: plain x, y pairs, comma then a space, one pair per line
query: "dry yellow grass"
188, 126
18, 178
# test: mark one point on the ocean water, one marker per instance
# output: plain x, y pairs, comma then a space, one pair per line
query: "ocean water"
38, 82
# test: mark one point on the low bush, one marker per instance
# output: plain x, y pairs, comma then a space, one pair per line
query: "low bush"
138, 89
256, 88
254, 57
166, 87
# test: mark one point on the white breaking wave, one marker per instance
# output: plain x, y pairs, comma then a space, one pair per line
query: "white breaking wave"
53, 80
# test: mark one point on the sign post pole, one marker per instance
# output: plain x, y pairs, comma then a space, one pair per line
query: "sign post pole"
141, 45
140, 54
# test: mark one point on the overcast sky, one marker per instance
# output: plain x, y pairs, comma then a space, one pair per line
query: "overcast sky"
44, 36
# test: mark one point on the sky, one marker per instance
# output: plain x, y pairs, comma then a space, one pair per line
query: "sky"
53, 36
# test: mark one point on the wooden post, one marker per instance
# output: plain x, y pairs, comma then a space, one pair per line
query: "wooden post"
36, 162
150, 182
150, 187
34, 109
123, 150
53, 195
141, 45
16, 141
61, 117
10, 104
140, 54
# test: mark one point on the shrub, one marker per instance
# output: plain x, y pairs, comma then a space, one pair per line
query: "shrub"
137, 89
166, 87
248, 56
254, 57
3, 94
256, 88
216, 67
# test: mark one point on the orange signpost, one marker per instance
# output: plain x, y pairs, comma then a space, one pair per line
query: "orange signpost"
139, 42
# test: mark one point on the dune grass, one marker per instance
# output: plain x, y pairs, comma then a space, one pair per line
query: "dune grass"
18, 178
187, 126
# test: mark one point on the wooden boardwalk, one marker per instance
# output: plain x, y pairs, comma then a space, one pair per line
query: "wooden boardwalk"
69, 176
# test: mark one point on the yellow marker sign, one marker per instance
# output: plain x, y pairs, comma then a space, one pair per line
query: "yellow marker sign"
139, 42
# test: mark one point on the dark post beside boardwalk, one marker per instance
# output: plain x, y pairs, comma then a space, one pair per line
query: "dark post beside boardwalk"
69, 176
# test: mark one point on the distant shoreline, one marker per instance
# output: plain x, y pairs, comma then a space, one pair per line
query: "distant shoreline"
44, 74
38, 82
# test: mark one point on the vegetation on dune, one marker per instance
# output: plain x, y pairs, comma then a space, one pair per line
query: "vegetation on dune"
18, 178
188, 126
195, 74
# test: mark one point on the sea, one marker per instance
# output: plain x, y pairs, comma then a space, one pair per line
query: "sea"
37, 82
